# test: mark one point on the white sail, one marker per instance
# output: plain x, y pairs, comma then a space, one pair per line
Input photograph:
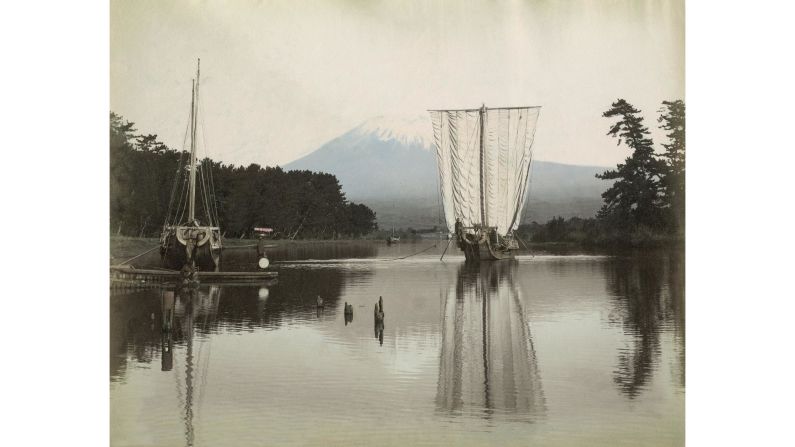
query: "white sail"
483, 179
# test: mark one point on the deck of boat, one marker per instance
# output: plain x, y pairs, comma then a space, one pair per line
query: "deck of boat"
124, 275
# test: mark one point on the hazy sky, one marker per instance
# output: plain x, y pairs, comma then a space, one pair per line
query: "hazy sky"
279, 79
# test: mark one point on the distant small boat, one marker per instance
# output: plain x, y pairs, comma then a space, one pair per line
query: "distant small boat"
392, 239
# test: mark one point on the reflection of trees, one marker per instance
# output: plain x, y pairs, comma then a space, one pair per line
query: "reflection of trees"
487, 361
645, 307
676, 287
134, 334
135, 317
137, 323
293, 296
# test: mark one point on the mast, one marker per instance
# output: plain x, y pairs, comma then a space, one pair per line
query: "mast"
194, 109
483, 222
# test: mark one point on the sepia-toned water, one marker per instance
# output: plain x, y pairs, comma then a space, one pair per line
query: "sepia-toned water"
551, 349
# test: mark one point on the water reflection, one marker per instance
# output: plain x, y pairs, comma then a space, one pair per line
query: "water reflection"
167, 308
379, 332
648, 296
194, 310
137, 316
487, 362
244, 363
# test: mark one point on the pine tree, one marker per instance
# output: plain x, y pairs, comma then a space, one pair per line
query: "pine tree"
634, 199
672, 119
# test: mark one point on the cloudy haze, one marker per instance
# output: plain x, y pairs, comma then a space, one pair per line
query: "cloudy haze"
280, 79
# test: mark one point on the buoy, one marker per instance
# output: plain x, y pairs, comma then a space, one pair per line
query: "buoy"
263, 263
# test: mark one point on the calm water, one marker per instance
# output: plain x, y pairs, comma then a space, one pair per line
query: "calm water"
574, 349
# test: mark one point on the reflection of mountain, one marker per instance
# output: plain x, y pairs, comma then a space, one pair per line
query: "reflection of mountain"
647, 309
487, 362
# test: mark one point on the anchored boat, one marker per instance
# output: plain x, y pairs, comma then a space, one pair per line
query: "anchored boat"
192, 240
392, 239
484, 157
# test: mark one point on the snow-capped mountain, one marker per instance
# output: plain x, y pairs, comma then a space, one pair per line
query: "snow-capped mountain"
384, 157
408, 131
389, 163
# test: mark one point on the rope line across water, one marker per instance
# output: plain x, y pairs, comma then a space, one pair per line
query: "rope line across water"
414, 254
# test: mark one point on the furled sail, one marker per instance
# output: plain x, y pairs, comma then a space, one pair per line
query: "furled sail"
484, 159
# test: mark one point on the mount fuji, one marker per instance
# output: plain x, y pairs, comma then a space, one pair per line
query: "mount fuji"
389, 164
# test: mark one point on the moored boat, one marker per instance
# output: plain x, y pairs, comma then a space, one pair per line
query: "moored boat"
193, 241
392, 238
483, 157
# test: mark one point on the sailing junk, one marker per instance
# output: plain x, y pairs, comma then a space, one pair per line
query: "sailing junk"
189, 241
484, 159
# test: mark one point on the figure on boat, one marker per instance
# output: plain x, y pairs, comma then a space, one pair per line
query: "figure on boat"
483, 156
189, 240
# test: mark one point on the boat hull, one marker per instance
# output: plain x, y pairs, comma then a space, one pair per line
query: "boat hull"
207, 253
483, 251
482, 248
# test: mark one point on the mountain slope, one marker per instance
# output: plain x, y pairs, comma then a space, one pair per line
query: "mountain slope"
390, 165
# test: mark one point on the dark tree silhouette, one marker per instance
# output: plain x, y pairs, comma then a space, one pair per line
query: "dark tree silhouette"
635, 197
672, 119
297, 204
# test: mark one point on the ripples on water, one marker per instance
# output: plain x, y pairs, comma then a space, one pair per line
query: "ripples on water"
575, 349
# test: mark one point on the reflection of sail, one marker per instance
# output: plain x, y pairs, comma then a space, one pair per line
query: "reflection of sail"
487, 363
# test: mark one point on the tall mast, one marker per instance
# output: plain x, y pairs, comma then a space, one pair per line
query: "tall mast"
194, 109
482, 163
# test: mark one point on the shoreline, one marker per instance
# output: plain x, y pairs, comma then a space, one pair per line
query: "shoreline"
123, 248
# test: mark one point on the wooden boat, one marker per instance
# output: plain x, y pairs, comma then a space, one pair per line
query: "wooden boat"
392, 239
192, 240
483, 157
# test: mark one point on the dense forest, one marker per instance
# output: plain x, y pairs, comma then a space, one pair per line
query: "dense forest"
296, 204
646, 203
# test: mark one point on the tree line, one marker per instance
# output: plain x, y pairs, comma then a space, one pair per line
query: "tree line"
646, 202
296, 204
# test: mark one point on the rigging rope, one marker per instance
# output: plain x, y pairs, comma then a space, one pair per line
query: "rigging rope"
211, 195
138, 256
529, 180
414, 254
202, 176
183, 199
176, 179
